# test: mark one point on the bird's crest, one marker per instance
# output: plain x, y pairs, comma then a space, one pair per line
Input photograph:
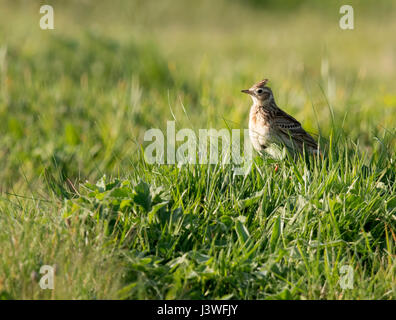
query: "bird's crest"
262, 83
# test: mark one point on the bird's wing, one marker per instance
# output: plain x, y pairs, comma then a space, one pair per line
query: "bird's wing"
290, 127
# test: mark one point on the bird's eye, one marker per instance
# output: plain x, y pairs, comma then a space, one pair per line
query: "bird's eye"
259, 91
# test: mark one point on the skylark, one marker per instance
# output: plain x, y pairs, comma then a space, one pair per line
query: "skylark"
269, 125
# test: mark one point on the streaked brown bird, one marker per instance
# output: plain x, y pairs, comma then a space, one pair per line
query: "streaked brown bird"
269, 125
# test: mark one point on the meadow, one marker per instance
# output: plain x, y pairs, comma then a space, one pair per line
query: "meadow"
76, 192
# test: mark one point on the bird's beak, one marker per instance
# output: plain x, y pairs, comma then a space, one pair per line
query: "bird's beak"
246, 91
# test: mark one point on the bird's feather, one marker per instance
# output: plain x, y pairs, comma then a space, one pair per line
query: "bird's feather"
290, 128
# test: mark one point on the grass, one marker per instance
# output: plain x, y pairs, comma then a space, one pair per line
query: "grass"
76, 192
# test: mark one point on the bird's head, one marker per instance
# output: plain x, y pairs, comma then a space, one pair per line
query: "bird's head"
260, 93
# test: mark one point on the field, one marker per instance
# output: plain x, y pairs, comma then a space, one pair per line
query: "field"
76, 192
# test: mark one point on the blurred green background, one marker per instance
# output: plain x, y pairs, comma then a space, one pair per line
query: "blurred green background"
82, 95
76, 101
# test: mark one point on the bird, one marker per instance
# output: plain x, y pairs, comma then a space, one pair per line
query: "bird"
270, 126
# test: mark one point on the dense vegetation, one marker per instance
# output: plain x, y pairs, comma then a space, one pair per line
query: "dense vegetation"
75, 190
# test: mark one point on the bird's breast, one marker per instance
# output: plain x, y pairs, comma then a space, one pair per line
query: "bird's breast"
259, 130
